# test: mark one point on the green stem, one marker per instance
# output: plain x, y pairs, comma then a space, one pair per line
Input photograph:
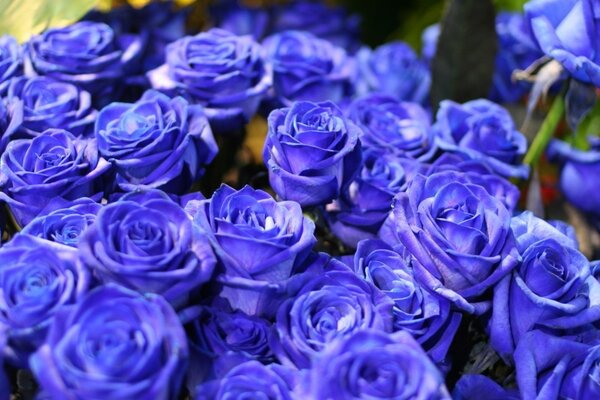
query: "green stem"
546, 132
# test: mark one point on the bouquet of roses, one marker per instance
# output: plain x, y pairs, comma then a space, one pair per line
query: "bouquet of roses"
376, 247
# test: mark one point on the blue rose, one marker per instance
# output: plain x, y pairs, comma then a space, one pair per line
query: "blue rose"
188, 201
48, 103
577, 169
481, 129
65, 223
395, 69
363, 206
11, 61
54, 164
342, 28
251, 380
429, 318
429, 41
471, 387
326, 306
223, 72
3, 230
308, 68
220, 338
552, 287
393, 126
257, 240
566, 229
157, 24
477, 172
157, 142
4, 382
517, 50
529, 229
551, 367
311, 151
146, 242
115, 344
11, 118
37, 277
86, 54
240, 19
458, 233
375, 365
219, 332
567, 31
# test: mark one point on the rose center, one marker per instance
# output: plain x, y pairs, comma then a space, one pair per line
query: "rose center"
53, 158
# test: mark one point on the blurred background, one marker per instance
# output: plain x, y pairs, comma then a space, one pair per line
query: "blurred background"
381, 20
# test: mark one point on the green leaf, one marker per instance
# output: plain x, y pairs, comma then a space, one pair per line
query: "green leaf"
546, 132
25, 18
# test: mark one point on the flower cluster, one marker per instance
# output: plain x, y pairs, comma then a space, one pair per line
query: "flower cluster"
379, 233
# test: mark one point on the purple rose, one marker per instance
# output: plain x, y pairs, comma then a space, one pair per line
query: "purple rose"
552, 287
157, 142
48, 103
396, 127
362, 207
458, 233
567, 30
306, 68
37, 277
257, 240
146, 242
86, 54
394, 69
341, 28
11, 118
426, 316
114, 344
480, 129
54, 164
11, 61
550, 367
375, 365
312, 152
327, 306
577, 169
251, 380
223, 72
66, 223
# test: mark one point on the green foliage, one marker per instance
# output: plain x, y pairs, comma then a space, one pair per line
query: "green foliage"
24, 18
413, 21
510, 5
